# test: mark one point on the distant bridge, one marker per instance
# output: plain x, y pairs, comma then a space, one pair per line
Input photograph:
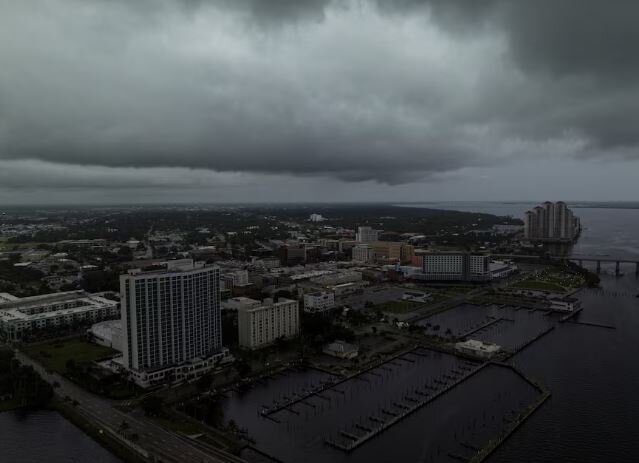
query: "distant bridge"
580, 259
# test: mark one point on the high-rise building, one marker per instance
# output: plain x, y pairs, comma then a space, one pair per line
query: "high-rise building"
171, 321
261, 324
551, 222
367, 234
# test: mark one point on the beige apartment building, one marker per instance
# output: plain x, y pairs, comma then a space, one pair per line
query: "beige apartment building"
261, 324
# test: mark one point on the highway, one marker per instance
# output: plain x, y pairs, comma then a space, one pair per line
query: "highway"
162, 445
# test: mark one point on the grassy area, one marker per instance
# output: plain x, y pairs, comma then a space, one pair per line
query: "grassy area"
55, 354
552, 280
399, 306
539, 285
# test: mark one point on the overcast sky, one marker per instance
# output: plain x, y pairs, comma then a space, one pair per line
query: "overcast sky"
106, 101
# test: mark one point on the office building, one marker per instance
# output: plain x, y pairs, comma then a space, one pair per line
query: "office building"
19, 316
238, 278
363, 253
551, 222
319, 301
367, 234
171, 321
456, 266
392, 251
262, 324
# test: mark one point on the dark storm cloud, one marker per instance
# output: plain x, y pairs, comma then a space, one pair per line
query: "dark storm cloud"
563, 37
390, 91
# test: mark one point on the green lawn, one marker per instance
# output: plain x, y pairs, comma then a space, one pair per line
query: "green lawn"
399, 306
539, 285
55, 354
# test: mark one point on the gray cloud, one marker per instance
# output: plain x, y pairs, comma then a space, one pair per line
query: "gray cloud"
387, 91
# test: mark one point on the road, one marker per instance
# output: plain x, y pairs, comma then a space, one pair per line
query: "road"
161, 444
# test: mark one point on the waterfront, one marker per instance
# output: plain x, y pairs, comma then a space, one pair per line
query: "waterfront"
44, 435
424, 405
591, 372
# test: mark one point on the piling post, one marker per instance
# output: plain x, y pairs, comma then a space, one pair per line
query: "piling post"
599, 266
617, 268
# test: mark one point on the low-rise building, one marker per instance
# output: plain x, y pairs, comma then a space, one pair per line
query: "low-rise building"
319, 301
478, 348
414, 296
564, 304
341, 349
235, 303
189, 370
335, 278
238, 278
108, 334
501, 269
260, 325
50, 311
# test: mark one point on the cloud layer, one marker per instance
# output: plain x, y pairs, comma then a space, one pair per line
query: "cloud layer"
173, 92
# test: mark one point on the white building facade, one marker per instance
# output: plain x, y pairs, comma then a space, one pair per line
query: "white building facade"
367, 234
456, 266
19, 316
261, 325
170, 317
318, 302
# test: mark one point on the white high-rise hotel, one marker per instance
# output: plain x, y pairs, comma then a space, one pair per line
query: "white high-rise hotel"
551, 222
171, 317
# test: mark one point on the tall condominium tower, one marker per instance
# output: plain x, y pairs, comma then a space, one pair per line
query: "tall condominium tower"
551, 222
170, 315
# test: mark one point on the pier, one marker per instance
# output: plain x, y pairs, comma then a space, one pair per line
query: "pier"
530, 341
331, 385
520, 419
485, 325
403, 411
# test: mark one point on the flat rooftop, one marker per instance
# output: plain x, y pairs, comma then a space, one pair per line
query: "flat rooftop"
40, 307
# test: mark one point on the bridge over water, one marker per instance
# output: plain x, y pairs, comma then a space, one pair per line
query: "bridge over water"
580, 259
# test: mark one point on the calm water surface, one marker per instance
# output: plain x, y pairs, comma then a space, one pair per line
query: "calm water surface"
45, 436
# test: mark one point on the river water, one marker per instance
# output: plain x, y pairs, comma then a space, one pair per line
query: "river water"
46, 436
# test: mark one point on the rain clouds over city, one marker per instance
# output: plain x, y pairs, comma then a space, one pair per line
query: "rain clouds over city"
317, 100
